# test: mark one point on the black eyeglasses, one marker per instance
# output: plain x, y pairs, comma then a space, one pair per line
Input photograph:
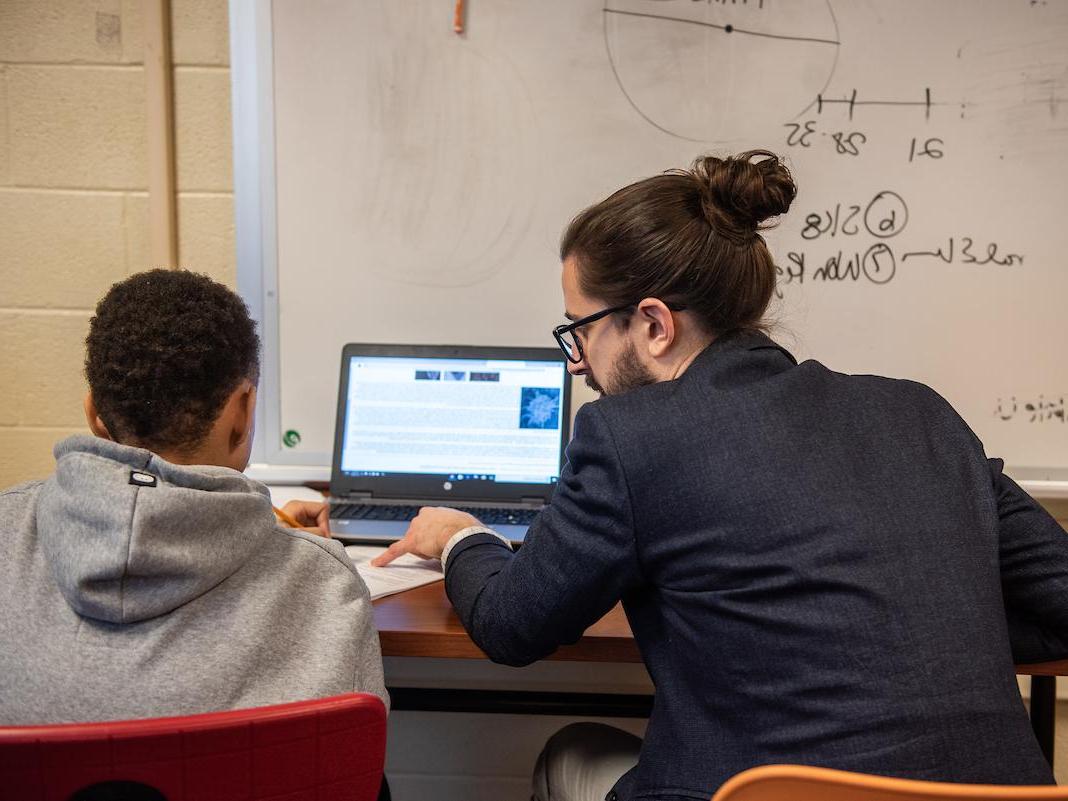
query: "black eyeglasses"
570, 344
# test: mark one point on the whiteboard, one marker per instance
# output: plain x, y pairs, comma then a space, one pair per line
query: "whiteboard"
397, 182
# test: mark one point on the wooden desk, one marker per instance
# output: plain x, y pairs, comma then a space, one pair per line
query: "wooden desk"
422, 623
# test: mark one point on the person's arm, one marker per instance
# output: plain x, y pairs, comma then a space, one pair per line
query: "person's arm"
1033, 549
578, 559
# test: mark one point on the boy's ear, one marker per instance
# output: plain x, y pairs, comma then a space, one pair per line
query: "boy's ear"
96, 425
245, 414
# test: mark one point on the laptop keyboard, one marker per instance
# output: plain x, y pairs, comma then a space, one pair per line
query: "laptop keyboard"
491, 517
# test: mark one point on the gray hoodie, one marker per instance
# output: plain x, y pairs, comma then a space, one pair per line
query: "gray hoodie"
133, 587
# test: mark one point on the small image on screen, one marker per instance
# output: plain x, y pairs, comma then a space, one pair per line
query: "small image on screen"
539, 407
428, 375
455, 375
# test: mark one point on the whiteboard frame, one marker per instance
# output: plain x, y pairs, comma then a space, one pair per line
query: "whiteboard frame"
255, 209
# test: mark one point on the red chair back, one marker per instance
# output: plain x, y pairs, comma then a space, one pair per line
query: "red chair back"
327, 748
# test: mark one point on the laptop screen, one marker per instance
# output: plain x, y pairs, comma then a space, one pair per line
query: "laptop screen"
462, 420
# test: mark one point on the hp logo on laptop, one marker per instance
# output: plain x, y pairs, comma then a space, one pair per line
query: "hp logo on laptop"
447, 485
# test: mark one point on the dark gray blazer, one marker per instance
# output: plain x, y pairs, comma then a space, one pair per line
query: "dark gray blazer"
818, 568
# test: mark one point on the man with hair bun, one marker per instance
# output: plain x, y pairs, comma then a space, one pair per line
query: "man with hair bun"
148, 577
805, 585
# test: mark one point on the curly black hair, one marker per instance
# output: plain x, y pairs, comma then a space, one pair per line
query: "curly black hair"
164, 352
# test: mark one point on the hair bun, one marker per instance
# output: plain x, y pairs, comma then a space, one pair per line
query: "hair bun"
739, 193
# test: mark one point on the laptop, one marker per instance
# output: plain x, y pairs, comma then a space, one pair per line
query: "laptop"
481, 429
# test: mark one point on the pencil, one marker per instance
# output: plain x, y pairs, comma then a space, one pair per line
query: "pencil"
458, 17
286, 518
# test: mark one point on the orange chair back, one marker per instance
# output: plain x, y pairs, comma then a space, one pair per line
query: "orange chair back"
799, 783
325, 748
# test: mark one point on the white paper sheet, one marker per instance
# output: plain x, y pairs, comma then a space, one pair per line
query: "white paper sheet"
402, 574
281, 494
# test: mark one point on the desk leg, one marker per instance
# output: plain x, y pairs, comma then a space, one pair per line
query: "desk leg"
1044, 712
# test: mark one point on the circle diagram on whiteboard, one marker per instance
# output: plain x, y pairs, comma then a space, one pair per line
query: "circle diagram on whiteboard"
697, 70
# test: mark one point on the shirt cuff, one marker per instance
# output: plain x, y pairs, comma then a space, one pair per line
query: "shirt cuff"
463, 534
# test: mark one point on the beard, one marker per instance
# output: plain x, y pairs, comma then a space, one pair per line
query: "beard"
626, 374
592, 384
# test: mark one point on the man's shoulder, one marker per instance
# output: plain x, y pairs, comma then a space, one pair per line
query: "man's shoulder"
667, 411
879, 387
644, 401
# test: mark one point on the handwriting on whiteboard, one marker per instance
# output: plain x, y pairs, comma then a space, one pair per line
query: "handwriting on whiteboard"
875, 260
1042, 410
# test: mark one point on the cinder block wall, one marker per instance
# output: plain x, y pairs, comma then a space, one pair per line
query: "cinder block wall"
73, 181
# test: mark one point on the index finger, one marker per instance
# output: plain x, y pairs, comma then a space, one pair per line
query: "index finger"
399, 548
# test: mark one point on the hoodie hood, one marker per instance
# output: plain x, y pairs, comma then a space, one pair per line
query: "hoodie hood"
130, 536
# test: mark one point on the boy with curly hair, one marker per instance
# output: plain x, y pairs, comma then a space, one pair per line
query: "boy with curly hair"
147, 576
